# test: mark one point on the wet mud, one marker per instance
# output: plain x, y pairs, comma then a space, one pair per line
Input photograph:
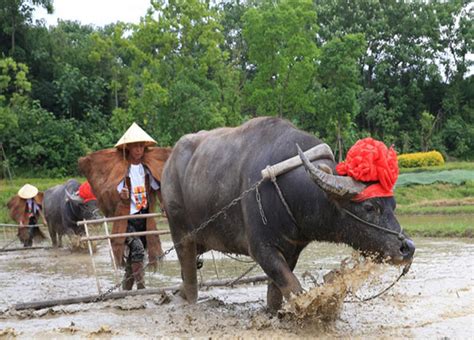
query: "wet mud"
434, 300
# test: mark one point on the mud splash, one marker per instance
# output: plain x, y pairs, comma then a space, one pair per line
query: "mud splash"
323, 303
76, 245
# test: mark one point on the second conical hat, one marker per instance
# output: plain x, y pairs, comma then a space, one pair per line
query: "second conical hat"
27, 191
135, 134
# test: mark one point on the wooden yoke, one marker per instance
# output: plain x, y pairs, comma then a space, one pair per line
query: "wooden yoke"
319, 151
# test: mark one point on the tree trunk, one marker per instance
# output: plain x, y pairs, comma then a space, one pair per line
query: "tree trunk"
13, 35
339, 141
116, 97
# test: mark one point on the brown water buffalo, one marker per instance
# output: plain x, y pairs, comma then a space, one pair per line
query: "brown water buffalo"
209, 169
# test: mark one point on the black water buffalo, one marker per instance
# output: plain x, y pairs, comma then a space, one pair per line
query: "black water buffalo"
63, 208
207, 170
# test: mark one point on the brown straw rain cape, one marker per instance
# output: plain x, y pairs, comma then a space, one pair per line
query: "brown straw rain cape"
104, 170
17, 209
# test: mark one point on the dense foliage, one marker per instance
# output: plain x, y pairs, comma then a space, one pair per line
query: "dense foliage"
397, 71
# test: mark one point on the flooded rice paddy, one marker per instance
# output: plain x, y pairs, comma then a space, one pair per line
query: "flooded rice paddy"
434, 300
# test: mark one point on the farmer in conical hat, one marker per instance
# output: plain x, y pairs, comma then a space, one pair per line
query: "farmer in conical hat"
126, 180
137, 190
25, 208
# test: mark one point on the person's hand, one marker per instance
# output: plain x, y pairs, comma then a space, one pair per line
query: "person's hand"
124, 194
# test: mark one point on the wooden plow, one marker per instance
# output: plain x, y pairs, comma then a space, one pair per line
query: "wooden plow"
123, 294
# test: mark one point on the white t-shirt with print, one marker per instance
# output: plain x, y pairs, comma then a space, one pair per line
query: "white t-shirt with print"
137, 181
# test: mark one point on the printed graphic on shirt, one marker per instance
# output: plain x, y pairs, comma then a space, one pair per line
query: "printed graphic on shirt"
139, 197
31, 208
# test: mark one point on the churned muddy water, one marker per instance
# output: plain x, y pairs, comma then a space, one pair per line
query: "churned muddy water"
434, 300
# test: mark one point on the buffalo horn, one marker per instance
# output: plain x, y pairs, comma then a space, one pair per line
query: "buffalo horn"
343, 186
74, 197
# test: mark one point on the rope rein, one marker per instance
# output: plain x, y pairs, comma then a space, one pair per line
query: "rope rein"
403, 273
400, 235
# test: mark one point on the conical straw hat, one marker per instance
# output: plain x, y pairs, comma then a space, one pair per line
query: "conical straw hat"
27, 191
135, 134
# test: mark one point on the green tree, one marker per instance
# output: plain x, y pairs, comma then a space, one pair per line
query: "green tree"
427, 123
112, 52
14, 89
231, 19
15, 16
45, 144
399, 71
282, 52
456, 114
339, 79
382, 122
179, 70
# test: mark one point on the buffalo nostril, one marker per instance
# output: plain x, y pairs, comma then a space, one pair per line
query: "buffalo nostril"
408, 248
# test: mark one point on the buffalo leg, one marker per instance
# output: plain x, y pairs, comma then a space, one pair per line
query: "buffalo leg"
53, 234
274, 294
187, 258
274, 297
54, 240
283, 281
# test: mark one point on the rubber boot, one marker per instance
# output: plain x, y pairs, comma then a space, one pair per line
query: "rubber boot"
139, 274
127, 284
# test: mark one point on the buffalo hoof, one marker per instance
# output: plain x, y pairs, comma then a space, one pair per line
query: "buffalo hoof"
188, 292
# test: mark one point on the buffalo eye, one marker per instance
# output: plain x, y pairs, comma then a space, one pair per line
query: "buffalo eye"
369, 207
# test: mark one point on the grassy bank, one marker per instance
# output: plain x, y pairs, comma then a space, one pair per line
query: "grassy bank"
437, 210
436, 198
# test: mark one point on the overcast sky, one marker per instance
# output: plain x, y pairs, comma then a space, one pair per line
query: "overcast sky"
97, 12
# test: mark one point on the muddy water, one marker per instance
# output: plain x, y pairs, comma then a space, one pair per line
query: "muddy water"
435, 299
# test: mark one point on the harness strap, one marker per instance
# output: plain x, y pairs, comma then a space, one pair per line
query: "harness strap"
260, 207
280, 194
